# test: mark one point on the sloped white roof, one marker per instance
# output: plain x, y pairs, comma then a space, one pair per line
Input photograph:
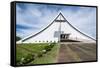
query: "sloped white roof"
53, 30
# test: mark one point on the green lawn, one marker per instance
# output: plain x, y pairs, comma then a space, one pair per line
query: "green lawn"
23, 50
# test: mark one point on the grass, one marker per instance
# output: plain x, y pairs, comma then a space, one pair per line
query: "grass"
22, 50
50, 57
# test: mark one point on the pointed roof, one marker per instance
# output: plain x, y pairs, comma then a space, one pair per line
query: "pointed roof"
59, 19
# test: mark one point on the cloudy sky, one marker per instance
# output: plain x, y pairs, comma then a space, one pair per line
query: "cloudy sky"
31, 18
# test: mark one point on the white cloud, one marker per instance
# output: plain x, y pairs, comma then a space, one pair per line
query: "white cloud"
83, 18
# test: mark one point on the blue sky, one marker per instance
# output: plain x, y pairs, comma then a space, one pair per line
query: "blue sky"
31, 18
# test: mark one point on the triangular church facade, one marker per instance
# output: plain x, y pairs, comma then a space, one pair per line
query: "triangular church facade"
60, 30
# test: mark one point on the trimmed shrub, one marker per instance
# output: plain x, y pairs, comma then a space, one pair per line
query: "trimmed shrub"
51, 41
44, 51
52, 45
47, 41
47, 48
28, 58
40, 54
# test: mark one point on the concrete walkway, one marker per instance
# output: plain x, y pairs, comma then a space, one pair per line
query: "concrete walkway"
77, 52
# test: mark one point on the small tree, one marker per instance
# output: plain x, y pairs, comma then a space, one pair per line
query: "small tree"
18, 38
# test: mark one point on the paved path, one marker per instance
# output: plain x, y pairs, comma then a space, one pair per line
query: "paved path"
77, 52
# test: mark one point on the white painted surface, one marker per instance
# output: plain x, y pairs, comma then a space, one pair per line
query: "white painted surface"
52, 33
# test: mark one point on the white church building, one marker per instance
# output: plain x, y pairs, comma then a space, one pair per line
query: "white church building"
60, 30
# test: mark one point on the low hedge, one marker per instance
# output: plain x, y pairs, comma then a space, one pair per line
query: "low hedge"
25, 60
40, 54
31, 57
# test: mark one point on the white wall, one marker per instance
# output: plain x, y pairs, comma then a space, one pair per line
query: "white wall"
5, 34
